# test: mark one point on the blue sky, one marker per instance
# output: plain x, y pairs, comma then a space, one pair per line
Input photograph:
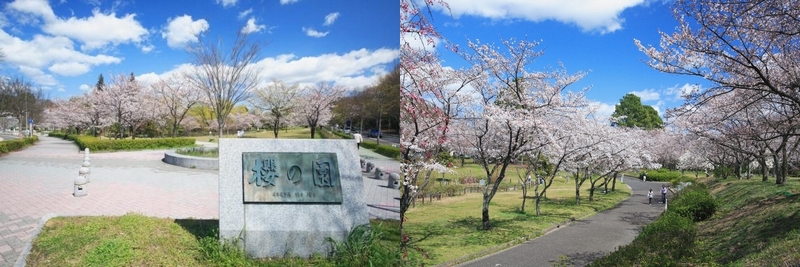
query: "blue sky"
63, 46
593, 36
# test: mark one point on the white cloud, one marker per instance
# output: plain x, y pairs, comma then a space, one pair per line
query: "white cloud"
680, 91
182, 30
85, 87
252, 26
330, 18
350, 68
39, 8
603, 111
38, 76
227, 3
69, 68
245, 13
647, 95
354, 69
590, 16
96, 31
57, 53
286, 2
415, 42
147, 48
99, 30
313, 33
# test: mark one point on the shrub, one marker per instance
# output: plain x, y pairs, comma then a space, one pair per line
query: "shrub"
662, 175
386, 150
17, 144
694, 202
665, 242
95, 144
389, 151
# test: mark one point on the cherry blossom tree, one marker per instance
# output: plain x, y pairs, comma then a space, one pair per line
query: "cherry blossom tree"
748, 51
316, 103
177, 98
423, 128
122, 99
277, 100
514, 102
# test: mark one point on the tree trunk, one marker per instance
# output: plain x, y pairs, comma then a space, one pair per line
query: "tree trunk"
524, 195
781, 178
313, 130
485, 214
577, 189
614, 183
275, 127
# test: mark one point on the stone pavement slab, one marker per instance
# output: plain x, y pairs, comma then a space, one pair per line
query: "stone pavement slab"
382, 200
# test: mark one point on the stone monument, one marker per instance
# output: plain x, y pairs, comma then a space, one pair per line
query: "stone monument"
285, 197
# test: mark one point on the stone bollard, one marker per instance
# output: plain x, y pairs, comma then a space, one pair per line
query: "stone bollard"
378, 173
84, 172
394, 179
86, 164
363, 164
370, 166
79, 190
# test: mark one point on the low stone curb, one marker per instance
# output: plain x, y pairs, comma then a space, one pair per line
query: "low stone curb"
192, 162
21, 260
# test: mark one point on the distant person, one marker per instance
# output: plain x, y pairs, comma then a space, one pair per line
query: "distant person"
358, 138
663, 194
650, 197
644, 177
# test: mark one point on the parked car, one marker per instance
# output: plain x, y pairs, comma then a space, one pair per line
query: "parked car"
375, 133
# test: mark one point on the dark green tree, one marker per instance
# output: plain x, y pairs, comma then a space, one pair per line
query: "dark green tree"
631, 113
100, 83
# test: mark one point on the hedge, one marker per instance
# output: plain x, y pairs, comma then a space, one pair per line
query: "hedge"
662, 175
386, 150
95, 144
17, 144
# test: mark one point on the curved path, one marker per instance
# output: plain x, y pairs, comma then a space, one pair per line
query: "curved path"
37, 183
585, 240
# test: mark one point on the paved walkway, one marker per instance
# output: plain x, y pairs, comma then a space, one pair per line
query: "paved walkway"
382, 200
37, 183
585, 240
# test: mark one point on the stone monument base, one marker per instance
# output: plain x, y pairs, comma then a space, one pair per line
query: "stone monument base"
288, 229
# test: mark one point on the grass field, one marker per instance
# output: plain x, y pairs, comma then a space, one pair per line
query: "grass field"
135, 240
291, 133
756, 224
449, 230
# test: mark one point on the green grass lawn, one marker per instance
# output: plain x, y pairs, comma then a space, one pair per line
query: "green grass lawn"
450, 229
291, 133
135, 240
757, 223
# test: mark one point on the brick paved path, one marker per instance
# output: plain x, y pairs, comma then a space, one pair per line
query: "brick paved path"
37, 183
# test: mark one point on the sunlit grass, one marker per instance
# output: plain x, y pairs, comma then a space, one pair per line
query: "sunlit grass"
136, 240
450, 229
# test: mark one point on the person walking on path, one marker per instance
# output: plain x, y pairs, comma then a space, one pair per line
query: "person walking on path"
663, 194
358, 138
650, 197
